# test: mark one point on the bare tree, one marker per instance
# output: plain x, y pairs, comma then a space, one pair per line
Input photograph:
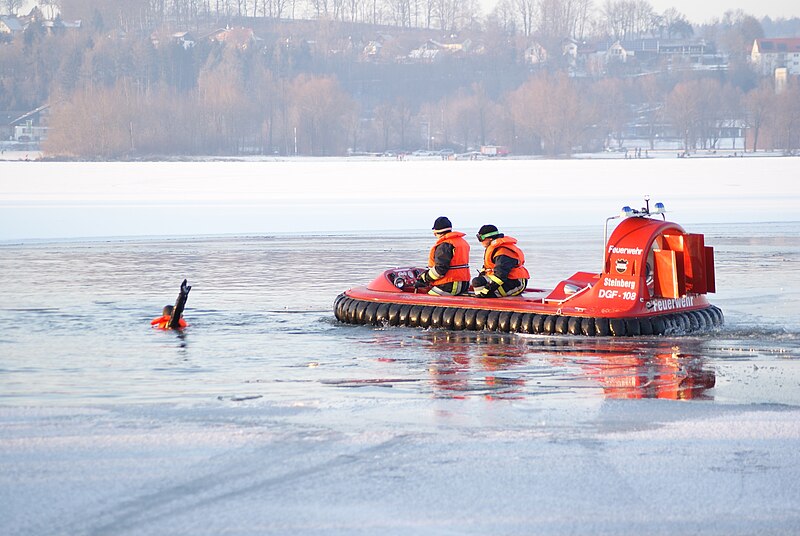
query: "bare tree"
615, 18
558, 19
446, 11
503, 18
404, 115
786, 120
711, 111
624, 19
12, 6
582, 11
49, 7
612, 108
93, 123
738, 31
400, 12
653, 97
223, 103
683, 110
551, 107
758, 107
674, 23
525, 12
384, 117
462, 115
320, 111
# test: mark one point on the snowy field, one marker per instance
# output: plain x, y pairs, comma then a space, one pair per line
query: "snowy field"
66, 200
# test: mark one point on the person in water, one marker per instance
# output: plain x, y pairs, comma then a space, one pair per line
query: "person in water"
448, 261
504, 272
162, 322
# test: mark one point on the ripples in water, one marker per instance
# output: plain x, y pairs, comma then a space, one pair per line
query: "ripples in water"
74, 326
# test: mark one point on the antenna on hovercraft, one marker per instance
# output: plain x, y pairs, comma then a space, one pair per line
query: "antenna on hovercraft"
658, 209
627, 212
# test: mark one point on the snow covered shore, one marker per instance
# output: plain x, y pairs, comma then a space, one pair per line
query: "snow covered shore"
63, 200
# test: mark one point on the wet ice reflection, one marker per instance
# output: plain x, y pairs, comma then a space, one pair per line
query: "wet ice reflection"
492, 366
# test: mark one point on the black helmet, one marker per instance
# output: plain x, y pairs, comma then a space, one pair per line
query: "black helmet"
488, 231
442, 225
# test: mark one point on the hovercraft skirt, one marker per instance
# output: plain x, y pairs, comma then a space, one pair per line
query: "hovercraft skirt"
364, 312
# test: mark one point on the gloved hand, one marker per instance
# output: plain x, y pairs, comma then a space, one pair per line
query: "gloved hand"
483, 292
422, 280
488, 289
493, 282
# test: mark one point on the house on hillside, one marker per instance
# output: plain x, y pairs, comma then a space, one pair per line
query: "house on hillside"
590, 61
454, 46
6, 123
617, 53
185, 39
30, 126
655, 53
425, 55
372, 50
10, 26
535, 54
428, 52
698, 54
688, 49
58, 25
770, 54
644, 51
569, 52
432, 51
241, 38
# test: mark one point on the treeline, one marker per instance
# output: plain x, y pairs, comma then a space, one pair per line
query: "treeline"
544, 19
120, 94
238, 108
233, 110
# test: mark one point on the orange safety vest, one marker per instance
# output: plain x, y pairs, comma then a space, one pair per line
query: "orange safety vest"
459, 265
505, 246
162, 322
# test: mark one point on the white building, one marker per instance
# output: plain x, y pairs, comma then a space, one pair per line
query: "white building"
770, 54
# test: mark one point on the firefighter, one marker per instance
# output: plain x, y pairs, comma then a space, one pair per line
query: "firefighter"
504, 273
448, 261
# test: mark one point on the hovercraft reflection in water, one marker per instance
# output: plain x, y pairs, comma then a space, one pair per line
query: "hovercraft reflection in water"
499, 366
469, 365
654, 282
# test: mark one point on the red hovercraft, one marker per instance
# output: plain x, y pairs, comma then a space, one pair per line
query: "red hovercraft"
654, 282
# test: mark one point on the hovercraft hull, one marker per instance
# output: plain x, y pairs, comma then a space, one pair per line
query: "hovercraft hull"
512, 315
654, 281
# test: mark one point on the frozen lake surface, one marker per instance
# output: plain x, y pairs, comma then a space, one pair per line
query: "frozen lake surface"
266, 416
68, 200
